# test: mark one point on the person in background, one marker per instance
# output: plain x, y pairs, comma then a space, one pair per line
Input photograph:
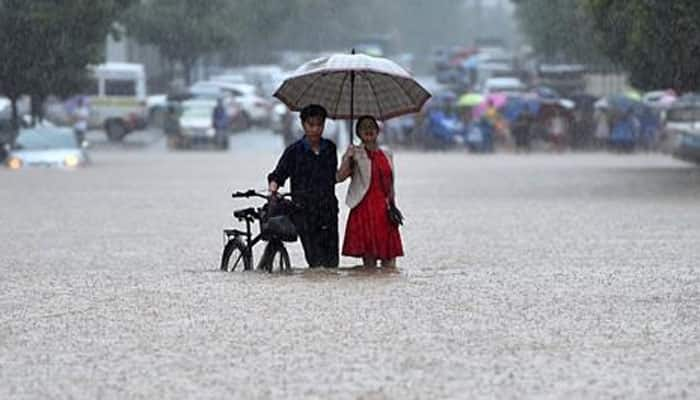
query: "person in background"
219, 117
81, 113
602, 129
521, 131
171, 126
557, 128
221, 123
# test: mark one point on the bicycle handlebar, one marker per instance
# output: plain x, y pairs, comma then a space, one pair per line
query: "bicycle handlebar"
253, 193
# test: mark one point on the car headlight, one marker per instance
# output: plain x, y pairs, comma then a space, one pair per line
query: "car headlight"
71, 160
14, 163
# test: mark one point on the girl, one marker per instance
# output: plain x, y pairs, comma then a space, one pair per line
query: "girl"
369, 233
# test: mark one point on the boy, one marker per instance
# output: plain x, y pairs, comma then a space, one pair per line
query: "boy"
311, 164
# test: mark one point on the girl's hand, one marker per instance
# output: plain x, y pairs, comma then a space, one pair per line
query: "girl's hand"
349, 153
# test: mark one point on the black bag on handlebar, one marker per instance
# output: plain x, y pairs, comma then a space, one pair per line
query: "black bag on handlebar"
280, 227
276, 222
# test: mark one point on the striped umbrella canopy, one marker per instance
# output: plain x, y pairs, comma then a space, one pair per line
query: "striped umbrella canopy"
349, 85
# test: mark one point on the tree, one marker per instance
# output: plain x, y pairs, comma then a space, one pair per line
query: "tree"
15, 23
559, 29
46, 45
657, 41
185, 30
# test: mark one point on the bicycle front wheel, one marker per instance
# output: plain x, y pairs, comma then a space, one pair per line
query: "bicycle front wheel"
275, 258
235, 254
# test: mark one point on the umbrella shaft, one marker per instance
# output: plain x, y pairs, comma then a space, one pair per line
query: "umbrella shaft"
352, 102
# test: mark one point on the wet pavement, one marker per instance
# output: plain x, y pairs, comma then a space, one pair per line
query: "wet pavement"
541, 276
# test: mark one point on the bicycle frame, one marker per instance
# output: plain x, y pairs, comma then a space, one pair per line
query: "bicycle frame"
249, 240
250, 216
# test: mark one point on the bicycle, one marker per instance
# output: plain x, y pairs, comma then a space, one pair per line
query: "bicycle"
275, 227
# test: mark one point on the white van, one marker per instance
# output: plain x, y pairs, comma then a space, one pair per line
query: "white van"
117, 100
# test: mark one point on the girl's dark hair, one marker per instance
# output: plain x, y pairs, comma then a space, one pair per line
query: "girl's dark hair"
311, 111
362, 118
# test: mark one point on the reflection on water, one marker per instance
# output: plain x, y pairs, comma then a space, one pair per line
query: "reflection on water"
355, 271
314, 273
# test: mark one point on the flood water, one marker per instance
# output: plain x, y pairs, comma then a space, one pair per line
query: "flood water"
525, 276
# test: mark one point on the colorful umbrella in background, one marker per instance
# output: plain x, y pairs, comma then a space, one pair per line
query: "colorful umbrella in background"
633, 95
517, 105
470, 100
660, 98
473, 61
497, 100
623, 103
546, 92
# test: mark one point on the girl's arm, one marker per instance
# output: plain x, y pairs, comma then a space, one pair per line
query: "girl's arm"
345, 169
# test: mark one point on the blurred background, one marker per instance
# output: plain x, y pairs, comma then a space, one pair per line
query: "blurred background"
505, 75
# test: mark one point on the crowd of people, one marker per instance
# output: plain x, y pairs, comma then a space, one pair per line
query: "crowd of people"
531, 121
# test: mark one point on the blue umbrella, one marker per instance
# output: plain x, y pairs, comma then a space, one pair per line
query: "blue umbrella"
472, 62
622, 103
546, 92
515, 106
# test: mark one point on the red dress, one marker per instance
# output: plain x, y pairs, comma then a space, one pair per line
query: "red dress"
369, 231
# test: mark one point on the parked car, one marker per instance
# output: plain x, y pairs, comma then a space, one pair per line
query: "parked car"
265, 77
280, 118
206, 89
238, 118
256, 108
5, 106
46, 146
503, 85
564, 78
156, 106
681, 131
229, 78
5, 135
196, 126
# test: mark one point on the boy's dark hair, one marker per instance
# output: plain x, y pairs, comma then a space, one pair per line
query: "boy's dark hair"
313, 110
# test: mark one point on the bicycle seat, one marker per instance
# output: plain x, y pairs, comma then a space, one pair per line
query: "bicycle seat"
245, 213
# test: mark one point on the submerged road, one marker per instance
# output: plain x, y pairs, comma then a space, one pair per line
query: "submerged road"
540, 276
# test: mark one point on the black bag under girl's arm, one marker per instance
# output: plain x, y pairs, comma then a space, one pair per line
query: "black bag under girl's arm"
395, 215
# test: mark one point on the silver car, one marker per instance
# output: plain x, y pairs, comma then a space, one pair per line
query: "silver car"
47, 147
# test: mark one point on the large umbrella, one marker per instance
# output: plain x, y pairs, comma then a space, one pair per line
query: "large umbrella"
349, 85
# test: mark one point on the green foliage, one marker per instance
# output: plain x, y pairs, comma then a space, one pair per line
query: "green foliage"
185, 30
657, 41
45, 45
558, 29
